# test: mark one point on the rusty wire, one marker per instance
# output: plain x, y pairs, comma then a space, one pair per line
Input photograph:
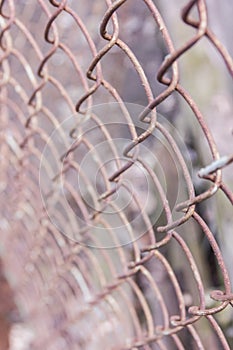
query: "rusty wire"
62, 285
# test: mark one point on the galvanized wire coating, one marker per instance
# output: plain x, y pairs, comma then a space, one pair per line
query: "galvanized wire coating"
73, 295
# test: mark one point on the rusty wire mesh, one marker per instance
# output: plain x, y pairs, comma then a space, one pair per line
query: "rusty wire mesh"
87, 271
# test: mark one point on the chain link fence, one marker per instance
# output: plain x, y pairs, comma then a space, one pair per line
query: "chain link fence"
109, 228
